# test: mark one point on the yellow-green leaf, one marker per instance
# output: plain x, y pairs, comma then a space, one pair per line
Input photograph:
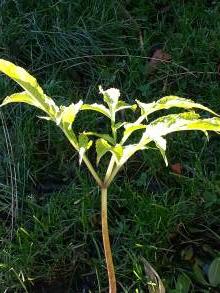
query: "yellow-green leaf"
130, 150
170, 102
107, 137
30, 85
110, 96
161, 144
176, 122
84, 145
183, 121
209, 124
98, 108
66, 115
129, 129
102, 147
117, 150
22, 97
121, 105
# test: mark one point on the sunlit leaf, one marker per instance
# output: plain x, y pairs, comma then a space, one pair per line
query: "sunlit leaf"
214, 272
110, 96
107, 137
98, 108
65, 119
129, 129
170, 102
161, 144
130, 150
30, 85
102, 147
117, 150
183, 121
84, 144
176, 122
66, 115
22, 97
121, 105
210, 124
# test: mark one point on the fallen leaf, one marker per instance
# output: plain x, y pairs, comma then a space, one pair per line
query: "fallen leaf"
158, 56
155, 284
177, 168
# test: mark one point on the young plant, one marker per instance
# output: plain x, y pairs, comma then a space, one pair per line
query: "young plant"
115, 142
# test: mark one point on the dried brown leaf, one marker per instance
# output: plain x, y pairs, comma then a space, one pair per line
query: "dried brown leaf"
159, 56
177, 168
156, 285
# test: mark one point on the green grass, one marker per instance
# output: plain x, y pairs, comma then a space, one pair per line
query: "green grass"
71, 47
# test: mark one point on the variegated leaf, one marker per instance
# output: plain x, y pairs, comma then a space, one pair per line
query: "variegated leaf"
107, 137
98, 108
176, 122
84, 144
66, 115
121, 105
170, 102
129, 129
102, 147
23, 97
30, 85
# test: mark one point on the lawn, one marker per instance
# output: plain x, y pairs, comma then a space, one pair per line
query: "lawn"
167, 217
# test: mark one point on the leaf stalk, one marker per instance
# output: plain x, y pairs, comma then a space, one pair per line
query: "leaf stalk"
106, 243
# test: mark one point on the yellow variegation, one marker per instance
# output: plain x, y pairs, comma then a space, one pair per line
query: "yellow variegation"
67, 115
121, 105
84, 145
30, 85
107, 137
171, 102
102, 147
98, 108
176, 122
110, 96
129, 129
23, 97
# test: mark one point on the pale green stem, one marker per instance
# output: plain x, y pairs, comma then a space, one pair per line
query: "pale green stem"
113, 174
114, 132
92, 170
109, 170
115, 171
106, 243
140, 120
85, 159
